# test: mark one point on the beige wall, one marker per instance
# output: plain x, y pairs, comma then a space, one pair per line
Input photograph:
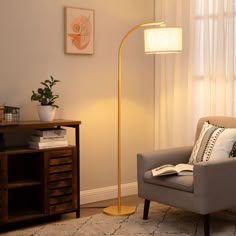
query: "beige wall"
32, 49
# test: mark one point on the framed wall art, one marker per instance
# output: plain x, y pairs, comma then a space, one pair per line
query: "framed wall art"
79, 31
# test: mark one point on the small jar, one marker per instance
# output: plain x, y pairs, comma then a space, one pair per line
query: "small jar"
8, 116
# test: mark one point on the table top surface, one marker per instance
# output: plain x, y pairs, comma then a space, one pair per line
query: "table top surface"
39, 124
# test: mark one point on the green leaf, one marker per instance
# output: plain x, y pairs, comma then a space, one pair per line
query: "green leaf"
45, 95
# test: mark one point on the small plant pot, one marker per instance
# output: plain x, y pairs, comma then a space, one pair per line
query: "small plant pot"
46, 113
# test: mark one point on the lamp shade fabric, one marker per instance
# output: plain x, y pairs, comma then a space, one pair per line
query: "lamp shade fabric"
163, 40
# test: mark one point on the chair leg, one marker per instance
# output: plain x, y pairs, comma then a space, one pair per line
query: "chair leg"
206, 220
146, 209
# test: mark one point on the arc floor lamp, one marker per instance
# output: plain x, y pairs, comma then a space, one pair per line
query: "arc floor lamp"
158, 40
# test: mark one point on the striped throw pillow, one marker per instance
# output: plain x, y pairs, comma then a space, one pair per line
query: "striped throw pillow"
214, 143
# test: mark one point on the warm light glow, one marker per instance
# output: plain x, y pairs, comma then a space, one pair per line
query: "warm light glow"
163, 40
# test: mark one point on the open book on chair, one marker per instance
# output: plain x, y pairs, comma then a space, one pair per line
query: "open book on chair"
180, 169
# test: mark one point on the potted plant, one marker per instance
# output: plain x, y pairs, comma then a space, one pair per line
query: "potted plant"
47, 99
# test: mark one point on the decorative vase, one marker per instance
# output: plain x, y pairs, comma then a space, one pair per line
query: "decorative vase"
46, 113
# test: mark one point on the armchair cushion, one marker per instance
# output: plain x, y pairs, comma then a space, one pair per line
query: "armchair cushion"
180, 182
214, 143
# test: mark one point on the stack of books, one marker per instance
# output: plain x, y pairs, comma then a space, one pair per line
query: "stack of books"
48, 138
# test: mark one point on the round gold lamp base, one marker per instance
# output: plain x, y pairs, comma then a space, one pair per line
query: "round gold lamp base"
116, 211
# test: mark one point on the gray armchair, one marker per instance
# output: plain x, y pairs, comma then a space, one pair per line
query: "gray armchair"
210, 189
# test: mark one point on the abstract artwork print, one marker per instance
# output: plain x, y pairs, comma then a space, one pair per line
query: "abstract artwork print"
79, 31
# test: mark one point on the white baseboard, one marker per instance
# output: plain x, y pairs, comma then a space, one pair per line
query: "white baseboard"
101, 194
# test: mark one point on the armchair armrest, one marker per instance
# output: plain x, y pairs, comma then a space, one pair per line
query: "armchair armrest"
151, 160
214, 184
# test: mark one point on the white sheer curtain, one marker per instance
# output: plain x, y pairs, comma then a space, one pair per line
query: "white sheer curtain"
200, 80
173, 83
214, 54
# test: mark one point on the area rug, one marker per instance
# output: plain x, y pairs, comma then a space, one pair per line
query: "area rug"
163, 221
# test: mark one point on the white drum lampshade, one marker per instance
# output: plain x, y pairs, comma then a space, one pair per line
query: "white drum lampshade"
163, 40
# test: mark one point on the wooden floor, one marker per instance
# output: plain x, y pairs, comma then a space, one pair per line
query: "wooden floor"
97, 207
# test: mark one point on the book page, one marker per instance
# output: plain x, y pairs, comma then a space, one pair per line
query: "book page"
164, 171
184, 167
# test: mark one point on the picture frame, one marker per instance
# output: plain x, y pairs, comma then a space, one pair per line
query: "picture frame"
79, 30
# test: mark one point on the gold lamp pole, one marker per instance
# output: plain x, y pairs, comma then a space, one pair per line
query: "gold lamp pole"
157, 40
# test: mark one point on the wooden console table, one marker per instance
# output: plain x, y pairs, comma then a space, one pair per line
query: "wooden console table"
38, 183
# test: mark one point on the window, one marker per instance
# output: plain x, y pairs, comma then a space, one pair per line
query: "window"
214, 38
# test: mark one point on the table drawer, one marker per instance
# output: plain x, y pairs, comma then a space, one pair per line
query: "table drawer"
61, 153
60, 184
60, 168
62, 180
59, 200
61, 207
60, 191
60, 160
60, 176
